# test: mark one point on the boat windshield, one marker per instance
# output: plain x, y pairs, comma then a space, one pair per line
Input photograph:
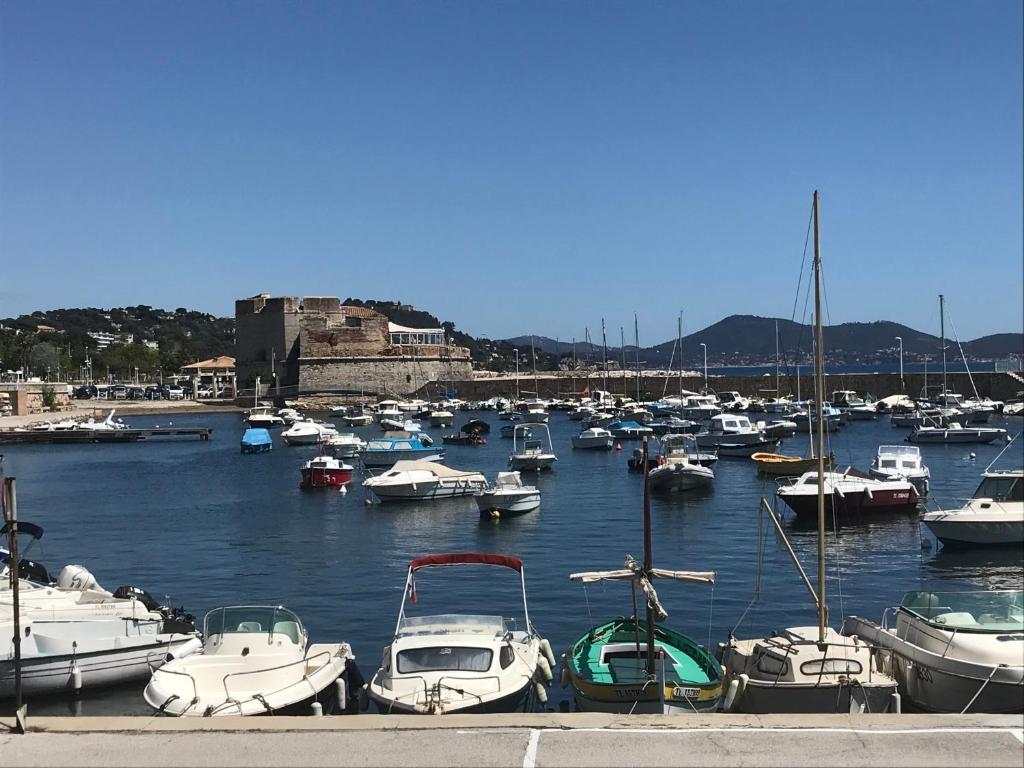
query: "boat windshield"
1001, 488
444, 658
254, 619
1001, 611
452, 623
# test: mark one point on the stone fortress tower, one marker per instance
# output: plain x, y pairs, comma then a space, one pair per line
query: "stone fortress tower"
316, 345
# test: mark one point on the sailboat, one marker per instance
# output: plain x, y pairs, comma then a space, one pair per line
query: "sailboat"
806, 669
634, 665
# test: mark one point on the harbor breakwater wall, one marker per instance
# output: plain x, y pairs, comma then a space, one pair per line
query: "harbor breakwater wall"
998, 386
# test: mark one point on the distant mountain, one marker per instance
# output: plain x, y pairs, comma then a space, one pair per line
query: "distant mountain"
747, 339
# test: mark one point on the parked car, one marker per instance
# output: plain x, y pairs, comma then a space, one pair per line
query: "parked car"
227, 392
154, 392
85, 392
174, 392
118, 392
136, 393
204, 392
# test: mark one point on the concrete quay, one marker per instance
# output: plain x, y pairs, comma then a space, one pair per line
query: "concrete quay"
530, 741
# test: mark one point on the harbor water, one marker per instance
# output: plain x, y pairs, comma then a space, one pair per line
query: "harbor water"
209, 526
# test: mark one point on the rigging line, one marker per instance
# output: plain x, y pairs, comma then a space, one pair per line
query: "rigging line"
803, 261
963, 356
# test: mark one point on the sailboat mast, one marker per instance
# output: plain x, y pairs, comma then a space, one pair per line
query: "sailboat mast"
533, 354
636, 343
778, 392
622, 354
604, 340
819, 396
942, 332
574, 366
648, 562
679, 346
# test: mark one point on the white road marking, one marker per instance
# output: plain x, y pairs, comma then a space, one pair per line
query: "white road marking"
530, 758
1019, 733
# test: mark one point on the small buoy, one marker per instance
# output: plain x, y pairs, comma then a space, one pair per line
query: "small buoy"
973, 455
343, 490
618, 446
368, 502
495, 514
563, 676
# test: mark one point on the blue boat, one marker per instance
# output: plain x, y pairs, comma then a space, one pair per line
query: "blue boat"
256, 440
385, 451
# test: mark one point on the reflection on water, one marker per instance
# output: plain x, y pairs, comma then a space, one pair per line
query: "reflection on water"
212, 527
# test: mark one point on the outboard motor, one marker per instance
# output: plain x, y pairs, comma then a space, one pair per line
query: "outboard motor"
175, 618
29, 570
126, 593
78, 579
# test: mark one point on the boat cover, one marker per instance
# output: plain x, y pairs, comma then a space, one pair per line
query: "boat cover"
467, 558
433, 467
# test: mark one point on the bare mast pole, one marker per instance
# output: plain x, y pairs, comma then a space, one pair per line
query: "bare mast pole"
942, 331
604, 341
819, 396
636, 342
679, 344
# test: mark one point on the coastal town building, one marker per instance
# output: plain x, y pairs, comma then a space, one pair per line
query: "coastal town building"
317, 345
217, 373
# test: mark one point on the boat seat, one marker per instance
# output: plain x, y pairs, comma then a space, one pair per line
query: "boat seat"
249, 626
289, 629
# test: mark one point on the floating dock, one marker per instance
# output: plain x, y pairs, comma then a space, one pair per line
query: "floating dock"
64, 436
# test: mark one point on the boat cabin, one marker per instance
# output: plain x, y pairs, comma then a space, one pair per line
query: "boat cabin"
1001, 486
730, 424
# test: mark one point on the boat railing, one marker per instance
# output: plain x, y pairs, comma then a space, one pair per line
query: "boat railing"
440, 683
304, 660
790, 648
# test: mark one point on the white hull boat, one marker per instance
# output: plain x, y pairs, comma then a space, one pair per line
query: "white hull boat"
955, 433
255, 660
595, 438
461, 663
423, 481
678, 474
901, 462
508, 497
994, 517
529, 453
953, 651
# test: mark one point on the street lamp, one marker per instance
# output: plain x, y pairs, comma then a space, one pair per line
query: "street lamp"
900, 340
705, 364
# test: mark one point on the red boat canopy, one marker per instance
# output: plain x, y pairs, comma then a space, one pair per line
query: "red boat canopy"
467, 558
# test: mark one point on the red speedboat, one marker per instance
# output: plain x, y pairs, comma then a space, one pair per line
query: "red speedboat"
849, 493
325, 472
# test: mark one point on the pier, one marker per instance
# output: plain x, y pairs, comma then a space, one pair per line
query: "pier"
583, 739
76, 436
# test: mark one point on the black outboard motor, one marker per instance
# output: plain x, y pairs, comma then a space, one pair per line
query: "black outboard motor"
30, 570
175, 618
147, 600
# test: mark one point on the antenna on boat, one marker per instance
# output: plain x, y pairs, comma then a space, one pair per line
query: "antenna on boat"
636, 341
819, 396
10, 527
942, 332
1008, 444
604, 340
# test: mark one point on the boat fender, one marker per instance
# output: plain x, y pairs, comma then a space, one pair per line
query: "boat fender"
545, 670
542, 694
368, 502
316, 709
364, 699
563, 677
76, 678
545, 648
342, 694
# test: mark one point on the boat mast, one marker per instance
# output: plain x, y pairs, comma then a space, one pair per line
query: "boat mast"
819, 396
622, 354
636, 342
604, 340
778, 392
942, 331
648, 562
679, 346
533, 354
574, 366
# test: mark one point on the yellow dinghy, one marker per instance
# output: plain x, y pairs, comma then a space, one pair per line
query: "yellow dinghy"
780, 464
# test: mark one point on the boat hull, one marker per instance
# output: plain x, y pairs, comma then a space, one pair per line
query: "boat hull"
593, 443
852, 504
425, 491
257, 448
667, 479
320, 477
53, 674
506, 505
762, 698
974, 530
388, 458
520, 700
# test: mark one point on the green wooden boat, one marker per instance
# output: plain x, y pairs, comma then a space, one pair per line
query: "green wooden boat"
633, 665
608, 675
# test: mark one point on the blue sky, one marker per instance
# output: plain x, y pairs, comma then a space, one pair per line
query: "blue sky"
516, 167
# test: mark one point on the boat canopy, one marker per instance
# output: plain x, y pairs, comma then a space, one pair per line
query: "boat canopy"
588, 577
410, 465
466, 558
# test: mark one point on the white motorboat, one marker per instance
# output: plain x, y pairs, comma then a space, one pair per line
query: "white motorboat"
699, 407
509, 430
777, 428
510, 415
599, 419
357, 419
675, 472
580, 413
995, 516
733, 401
954, 432
732, 429
507, 497
464, 663
848, 493
595, 438
536, 415
307, 432
78, 636
529, 453
424, 480
855, 407
953, 651
390, 413
629, 430
289, 415
901, 462
344, 445
254, 660
263, 416
441, 418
